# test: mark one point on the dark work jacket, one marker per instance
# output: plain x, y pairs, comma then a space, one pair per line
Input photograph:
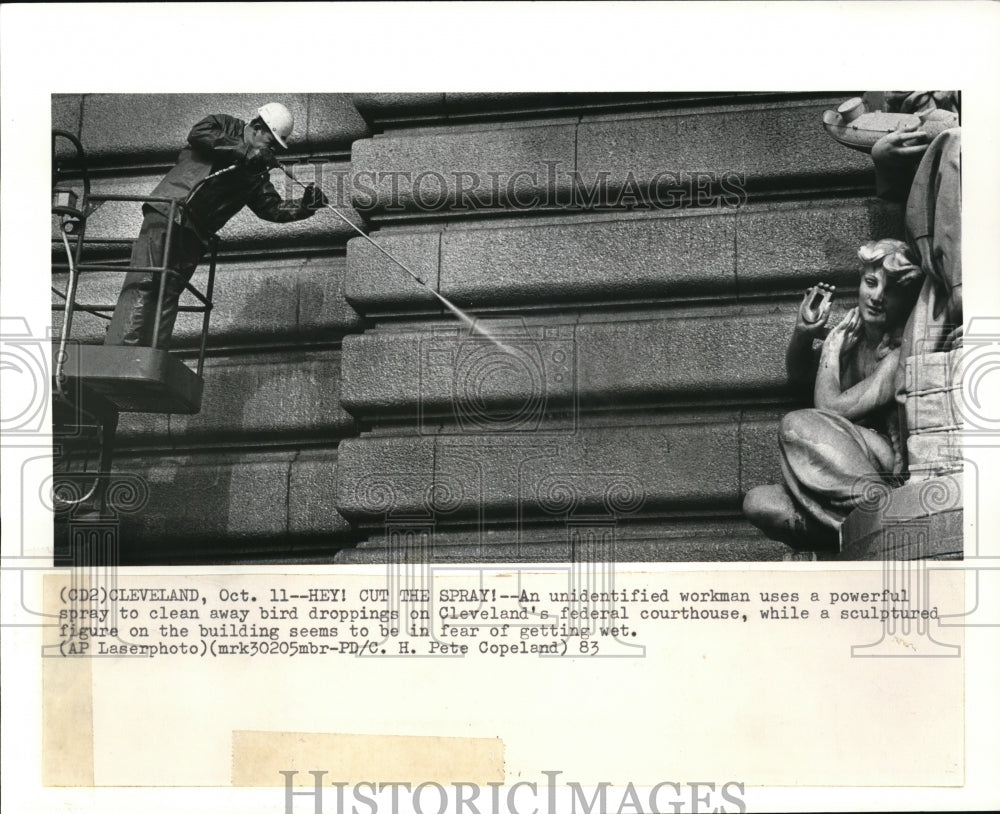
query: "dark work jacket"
214, 143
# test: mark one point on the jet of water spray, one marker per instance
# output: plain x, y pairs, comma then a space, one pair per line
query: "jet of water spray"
475, 326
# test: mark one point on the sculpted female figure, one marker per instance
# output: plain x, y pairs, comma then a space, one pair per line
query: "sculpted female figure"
851, 435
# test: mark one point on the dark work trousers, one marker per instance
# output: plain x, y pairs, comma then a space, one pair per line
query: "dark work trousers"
135, 312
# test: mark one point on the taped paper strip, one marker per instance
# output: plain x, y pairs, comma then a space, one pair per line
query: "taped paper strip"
67, 703
260, 757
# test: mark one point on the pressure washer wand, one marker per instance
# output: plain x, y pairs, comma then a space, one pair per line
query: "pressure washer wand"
345, 219
458, 312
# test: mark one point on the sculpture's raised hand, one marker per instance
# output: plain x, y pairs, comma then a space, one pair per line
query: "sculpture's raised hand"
845, 334
907, 142
815, 310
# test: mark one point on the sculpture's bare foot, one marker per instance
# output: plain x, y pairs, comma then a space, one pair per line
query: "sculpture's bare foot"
774, 512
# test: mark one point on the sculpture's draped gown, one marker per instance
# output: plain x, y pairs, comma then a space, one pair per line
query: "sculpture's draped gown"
829, 462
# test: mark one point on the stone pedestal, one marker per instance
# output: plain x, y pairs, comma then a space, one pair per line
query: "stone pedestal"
920, 520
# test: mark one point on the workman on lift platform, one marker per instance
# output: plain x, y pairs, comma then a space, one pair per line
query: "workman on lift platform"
224, 168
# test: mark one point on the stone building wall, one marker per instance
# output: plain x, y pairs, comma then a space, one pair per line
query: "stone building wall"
644, 373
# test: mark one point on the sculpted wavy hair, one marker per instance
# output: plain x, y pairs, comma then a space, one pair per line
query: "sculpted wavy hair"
895, 257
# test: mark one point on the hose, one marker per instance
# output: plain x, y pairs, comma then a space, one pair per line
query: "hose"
67, 316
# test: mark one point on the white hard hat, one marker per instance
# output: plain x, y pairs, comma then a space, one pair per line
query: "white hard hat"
278, 120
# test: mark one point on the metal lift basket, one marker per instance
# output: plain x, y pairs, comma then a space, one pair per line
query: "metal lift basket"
93, 383
134, 380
